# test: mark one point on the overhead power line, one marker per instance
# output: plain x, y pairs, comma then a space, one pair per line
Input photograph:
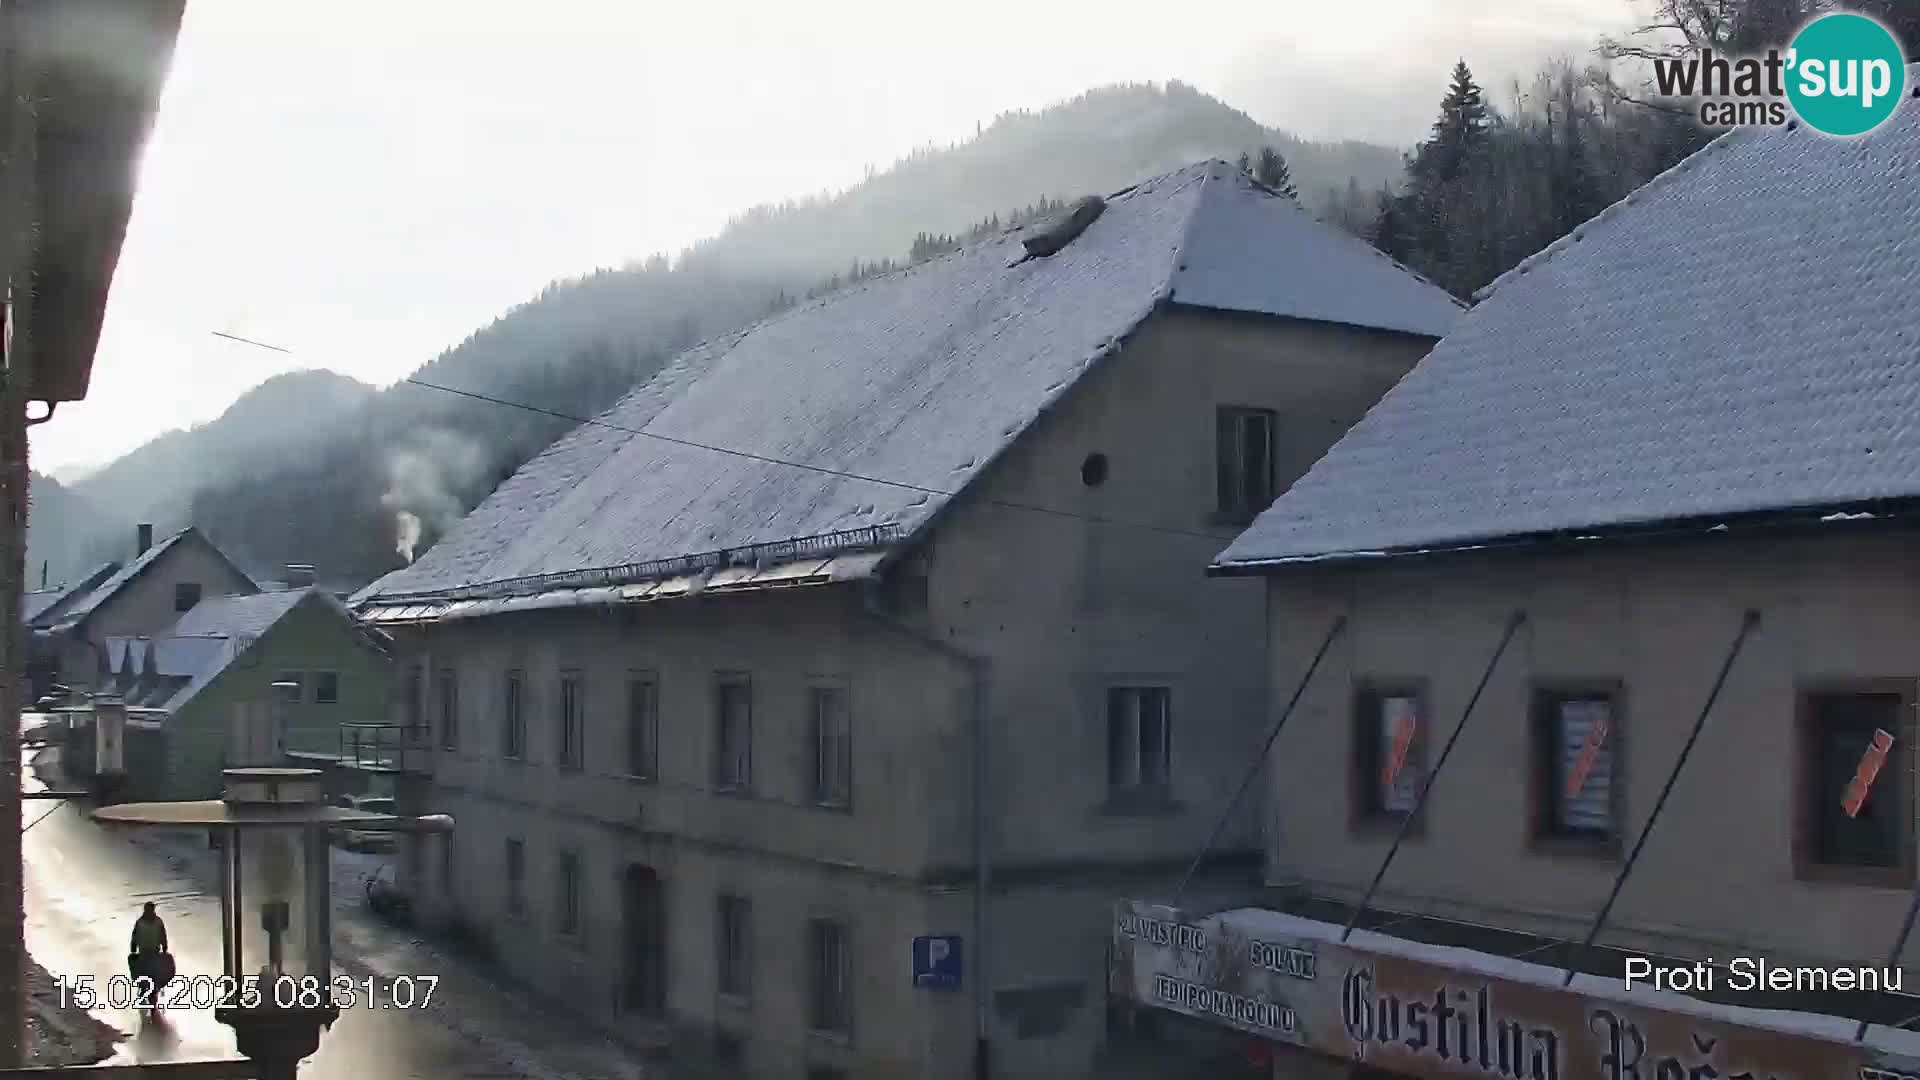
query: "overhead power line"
902, 485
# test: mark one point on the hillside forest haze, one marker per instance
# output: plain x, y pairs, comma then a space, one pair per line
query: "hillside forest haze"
316, 467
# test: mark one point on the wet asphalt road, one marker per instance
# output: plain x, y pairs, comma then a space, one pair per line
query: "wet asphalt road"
84, 887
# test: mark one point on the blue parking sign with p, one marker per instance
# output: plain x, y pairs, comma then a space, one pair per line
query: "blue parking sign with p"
936, 962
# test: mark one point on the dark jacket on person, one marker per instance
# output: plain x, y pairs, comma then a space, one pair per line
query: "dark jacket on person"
149, 935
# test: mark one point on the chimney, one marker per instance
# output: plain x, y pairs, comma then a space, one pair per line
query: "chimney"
146, 539
300, 575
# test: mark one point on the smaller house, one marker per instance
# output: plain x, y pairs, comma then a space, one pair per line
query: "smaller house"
141, 598
43, 607
184, 688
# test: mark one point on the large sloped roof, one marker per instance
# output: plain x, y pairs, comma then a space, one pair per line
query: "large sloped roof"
243, 616
80, 612
1741, 335
919, 378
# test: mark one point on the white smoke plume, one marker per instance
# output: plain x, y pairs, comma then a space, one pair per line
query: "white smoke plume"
422, 478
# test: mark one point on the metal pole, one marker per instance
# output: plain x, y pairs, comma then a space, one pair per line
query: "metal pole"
1253, 770
1747, 622
228, 961
1899, 946
1514, 622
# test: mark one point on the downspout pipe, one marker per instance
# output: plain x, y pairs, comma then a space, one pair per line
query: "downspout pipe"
977, 667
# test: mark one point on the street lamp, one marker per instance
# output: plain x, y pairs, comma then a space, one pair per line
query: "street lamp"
276, 906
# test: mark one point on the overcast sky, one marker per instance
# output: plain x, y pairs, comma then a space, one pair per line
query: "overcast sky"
365, 182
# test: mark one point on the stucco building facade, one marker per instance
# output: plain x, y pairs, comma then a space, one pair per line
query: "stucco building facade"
1611, 599
715, 805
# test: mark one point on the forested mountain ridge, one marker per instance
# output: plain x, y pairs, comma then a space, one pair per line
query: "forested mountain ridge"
350, 489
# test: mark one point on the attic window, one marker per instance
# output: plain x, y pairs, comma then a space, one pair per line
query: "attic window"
185, 595
1093, 471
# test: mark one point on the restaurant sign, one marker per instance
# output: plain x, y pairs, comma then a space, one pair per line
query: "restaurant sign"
1290, 980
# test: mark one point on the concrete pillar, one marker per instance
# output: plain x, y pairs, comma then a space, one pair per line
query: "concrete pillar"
109, 736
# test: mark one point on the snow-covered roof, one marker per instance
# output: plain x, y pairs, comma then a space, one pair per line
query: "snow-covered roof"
904, 387
1741, 335
246, 615
126, 574
177, 665
45, 604
33, 603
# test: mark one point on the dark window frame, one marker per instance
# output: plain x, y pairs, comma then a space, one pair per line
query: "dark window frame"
643, 727
830, 1014
416, 702
513, 715
819, 783
733, 946
571, 710
447, 693
1806, 863
1128, 785
570, 914
1369, 752
1544, 835
516, 875
299, 694
186, 596
725, 779
1235, 496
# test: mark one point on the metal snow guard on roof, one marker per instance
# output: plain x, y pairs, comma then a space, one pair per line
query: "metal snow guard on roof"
865, 538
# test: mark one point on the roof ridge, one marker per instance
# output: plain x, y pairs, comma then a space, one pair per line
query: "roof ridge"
1612, 211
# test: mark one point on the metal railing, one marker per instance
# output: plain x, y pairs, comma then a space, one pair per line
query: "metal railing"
401, 747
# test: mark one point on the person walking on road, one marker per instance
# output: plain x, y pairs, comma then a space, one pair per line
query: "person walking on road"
149, 959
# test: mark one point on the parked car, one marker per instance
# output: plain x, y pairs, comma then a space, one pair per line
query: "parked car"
361, 839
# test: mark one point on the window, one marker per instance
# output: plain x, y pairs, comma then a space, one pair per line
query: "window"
449, 710
733, 734
1577, 750
572, 724
289, 688
185, 595
326, 687
516, 878
832, 747
1243, 455
514, 724
729, 1051
733, 920
1139, 740
414, 705
1837, 728
825, 1072
643, 726
830, 963
1390, 727
569, 897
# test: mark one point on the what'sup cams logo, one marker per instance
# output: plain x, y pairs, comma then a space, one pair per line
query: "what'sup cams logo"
1843, 75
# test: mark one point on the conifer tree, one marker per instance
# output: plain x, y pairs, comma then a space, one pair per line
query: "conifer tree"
1271, 170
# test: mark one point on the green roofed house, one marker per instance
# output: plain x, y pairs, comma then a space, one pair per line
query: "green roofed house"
185, 688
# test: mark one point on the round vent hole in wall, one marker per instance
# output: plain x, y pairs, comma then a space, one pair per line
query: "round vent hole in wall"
1093, 471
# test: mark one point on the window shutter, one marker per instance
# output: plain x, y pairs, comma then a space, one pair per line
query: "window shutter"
1368, 755
1591, 808
1400, 796
1224, 449
1119, 740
